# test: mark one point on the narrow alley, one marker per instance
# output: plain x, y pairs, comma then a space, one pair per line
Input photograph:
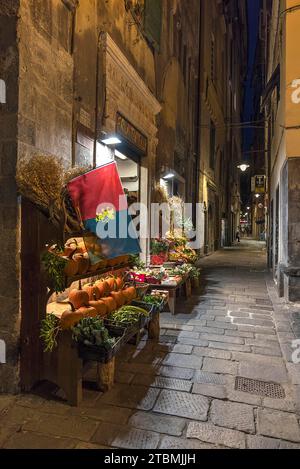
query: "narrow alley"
182, 393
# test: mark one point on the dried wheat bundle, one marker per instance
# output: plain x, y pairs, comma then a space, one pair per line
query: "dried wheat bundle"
73, 173
40, 179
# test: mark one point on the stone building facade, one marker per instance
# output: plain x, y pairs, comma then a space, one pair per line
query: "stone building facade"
281, 104
223, 59
74, 71
78, 71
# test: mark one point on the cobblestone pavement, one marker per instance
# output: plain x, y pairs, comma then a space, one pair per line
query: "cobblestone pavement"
181, 392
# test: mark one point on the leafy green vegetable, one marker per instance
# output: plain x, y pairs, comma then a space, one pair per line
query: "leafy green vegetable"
50, 329
91, 332
153, 300
128, 315
55, 267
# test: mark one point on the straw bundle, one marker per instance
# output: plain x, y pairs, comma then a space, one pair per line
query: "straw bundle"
40, 179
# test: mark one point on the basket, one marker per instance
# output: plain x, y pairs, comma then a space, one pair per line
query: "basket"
100, 354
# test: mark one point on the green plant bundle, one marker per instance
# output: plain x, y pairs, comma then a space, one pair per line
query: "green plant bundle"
128, 315
153, 300
159, 246
55, 267
50, 329
91, 332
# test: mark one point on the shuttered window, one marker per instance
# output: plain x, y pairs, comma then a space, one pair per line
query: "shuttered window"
153, 21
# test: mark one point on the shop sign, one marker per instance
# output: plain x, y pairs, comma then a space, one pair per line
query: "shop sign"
258, 184
131, 134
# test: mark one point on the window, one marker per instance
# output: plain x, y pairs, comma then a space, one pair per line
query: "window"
153, 21
212, 156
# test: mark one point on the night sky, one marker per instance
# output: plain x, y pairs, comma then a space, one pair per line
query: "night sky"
253, 23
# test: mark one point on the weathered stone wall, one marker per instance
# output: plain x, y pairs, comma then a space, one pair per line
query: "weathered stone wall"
9, 229
46, 79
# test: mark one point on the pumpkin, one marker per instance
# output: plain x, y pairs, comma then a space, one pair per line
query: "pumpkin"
88, 312
103, 287
83, 263
119, 283
119, 298
129, 294
110, 303
92, 291
70, 318
78, 298
100, 307
111, 281
71, 268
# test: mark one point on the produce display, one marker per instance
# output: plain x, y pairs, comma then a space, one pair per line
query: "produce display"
92, 332
128, 315
73, 260
155, 299
174, 247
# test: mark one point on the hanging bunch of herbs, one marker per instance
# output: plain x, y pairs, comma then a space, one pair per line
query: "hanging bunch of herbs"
55, 267
50, 329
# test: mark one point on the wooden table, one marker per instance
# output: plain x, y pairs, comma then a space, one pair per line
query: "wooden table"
173, 289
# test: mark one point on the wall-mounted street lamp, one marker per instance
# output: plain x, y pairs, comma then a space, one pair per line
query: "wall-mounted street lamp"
243, 167
257, 196
169, 176
111, 140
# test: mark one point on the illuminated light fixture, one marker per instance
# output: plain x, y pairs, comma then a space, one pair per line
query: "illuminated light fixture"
120, 155
169, 176
243, 167
111, 140
248, 208
257, 196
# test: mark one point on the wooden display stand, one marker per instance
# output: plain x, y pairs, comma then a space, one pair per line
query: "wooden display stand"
184, 287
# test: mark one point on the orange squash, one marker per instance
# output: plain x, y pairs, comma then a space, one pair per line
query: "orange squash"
111, 281
93, 292
110, 303
129, 294
103, 287
79, 298
71, 268
119, 283
119, 298
88, 312
100, 307
70, 318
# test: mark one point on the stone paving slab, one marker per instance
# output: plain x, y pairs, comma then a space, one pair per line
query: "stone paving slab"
233, 415
64, 426
158, 423
29, 440
183, 405
207, 432
132, 397
163, 383
211, 353
210, 390
169, 443
215, 365
278, 425
185, 361
125, 437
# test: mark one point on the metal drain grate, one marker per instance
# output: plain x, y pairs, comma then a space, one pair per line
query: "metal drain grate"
261, 388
